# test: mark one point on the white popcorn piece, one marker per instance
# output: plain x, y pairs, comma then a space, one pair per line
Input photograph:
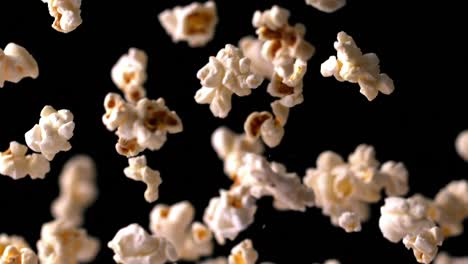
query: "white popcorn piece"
424, 244
444, 258
67, 14
139, 171
194, 23
52, 133
133, 245
191, 240
16, 63
327, 6
118, 112
62, 243
243, 253
290, 96
353, 66
16, 164
230, 213
452, 204
396, 177
227, 73
15, 250
129, 74
263, 124
461, 144
251, 48
78, 190
220, 260
350, 222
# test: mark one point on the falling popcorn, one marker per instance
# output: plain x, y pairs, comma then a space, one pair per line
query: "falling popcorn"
52, 133
243, 253
353, 66
444, 258
227, 73
461, 144
133, 245
15, 163
15, 250
139, 171
16, 63
194, 23
66, 14
328, 6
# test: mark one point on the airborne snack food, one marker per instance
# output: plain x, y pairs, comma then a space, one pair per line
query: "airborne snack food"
66, 13
16, 63
328, 6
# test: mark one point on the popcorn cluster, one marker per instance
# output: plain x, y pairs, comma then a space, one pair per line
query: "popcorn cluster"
191, 240
344, 190
353, 66
194, 23
15, 250
16, 63
139, 171
133, 245
66, 13
328, 6
15, 163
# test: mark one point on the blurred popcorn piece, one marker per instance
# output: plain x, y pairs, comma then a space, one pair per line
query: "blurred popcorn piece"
194, 23
227, 73
132, 245
16, 63
129, 74
191, 240
444, 258
243, 253
461, 144
353, 66
327, 6
452, 204
251, 48
63, 243
139, 171
14, 249
218, 260
52, 133
350, 222
66, 13
16, 164
78, 190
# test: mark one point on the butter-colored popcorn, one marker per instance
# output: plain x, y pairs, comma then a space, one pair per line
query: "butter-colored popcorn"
63, 243
227, 73
243, 253
15, 250
191, 240
461, 144
15, 163
129, 74
353, 66
133, 245
139, 171
78, 190
444, 258
350, 222
52, 133
16, 63
452, 204
67, 14
328, 6
425, 244
230, 213
194, 23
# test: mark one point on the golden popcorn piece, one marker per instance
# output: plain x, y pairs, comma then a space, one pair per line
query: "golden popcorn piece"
243, 253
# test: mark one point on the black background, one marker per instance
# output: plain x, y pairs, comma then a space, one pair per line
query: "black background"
419, 44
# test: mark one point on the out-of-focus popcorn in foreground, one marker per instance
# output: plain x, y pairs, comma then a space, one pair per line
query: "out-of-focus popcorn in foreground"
243, 253
133, 245
78, 190
52, 133
461, 144
191, 240
194, 23
227, 73
328, 6
67, 14
15, 250
353, 66
444, 258
16, 63
139, 171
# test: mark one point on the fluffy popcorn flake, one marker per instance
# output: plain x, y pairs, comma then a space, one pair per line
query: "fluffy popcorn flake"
353, 66
16, 63
67, 14
139, 171
52, 133
425, 244
133, 245
327, 6
461, 144
227, 73
350, 222
194, 23
15, 163
243, 253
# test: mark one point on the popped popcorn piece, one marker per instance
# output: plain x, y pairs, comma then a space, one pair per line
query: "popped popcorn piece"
230, 213
67, 14
350, 222
328, 6
353, 66
78, 190
220, 260
251, 48
243, 253
118, 112
16, 63
290, 96
15, 250
227, 73
16, 164
424, 244
52, 133
445, 258
461, 144
452, 204
133, 245
129, 74
272, 179
194, 23
139, 171
332, 261
63, 243
15, 241
191, 240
